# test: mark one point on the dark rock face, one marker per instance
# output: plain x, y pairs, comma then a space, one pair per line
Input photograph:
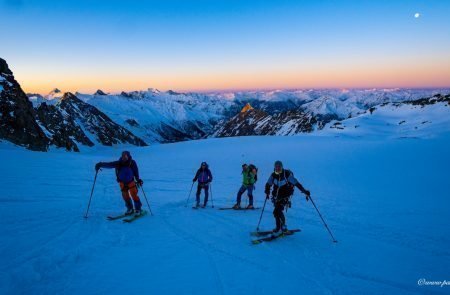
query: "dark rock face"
126, 94
97, 123
170, 134
62, 131
430, 100
244, 124
66, 124
17, 116
256, 122
132, 122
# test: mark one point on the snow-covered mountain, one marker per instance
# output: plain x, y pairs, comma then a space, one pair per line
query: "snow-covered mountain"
69, 122
398, 119
341, 103
162, 116
152, 116
59, 119
251, 121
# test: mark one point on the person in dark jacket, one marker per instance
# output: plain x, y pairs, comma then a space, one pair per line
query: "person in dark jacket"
127, 174
204, 178
283, 182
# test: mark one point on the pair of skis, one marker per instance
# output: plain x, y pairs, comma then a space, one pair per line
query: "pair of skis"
199, 207
231, 208
127, 218
268, 236
227, 208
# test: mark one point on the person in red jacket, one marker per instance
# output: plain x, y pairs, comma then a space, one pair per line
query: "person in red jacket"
127, 174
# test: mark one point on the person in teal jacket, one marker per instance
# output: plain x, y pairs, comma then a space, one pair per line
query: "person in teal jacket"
249, 177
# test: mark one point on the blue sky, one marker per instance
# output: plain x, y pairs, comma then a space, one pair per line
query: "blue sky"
209, 45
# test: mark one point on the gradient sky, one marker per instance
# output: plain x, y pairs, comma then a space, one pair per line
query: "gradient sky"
214, 45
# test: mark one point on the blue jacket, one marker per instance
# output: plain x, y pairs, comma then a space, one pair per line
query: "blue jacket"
126, 172
203, 175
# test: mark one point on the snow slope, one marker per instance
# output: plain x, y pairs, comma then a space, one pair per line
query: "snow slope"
386, 201
395, 120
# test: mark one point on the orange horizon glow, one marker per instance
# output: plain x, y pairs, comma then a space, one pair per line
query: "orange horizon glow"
425, 76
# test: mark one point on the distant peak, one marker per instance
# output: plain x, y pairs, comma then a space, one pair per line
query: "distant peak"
246, 108
171, 92
68, 95
56, 90
99, 92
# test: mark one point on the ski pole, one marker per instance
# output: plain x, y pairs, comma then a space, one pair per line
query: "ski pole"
326, 226
189, 196
92, 192
212, 201
262, 212
148, 204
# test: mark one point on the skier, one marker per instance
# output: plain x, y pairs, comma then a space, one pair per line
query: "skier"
204, 178
249, 178
127, 174
283, 182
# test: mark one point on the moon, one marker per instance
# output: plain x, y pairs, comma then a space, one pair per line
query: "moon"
417, 15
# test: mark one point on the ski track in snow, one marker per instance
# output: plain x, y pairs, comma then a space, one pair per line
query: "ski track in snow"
374, 194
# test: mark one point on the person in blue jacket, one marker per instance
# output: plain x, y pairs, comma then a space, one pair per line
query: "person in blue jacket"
127, 174
204, 178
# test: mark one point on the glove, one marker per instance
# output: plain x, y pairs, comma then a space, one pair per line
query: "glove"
98, 166
193, 180
267, 196
307, 193
140, 182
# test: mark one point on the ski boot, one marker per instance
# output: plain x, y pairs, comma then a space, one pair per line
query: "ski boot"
284, 228
250, 207
129, 212
236, 206
137, 212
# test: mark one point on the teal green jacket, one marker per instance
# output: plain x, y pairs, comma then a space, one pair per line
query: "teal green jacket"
248, 177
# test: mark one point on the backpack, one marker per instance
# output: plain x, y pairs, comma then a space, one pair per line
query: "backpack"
253, 167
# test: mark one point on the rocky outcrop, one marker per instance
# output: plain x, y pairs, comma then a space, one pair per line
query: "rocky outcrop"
60, 120
243, 124
17, 116
250, 121
61, 129
96, 122
430, 100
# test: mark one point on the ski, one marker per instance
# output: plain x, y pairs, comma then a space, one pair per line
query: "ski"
231, 208
117, 217
272, 237
134, 217
268, 232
